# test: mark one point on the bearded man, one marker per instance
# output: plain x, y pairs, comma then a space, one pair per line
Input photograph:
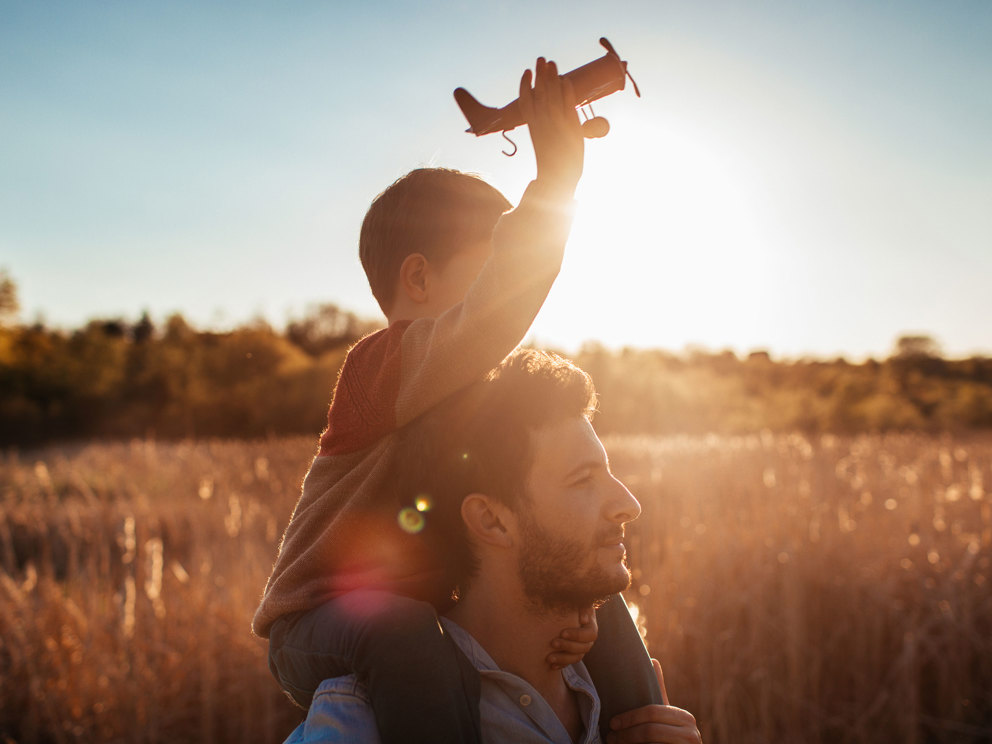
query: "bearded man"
526, 521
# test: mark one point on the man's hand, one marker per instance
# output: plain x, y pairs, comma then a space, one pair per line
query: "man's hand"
574, 643
655, 724
549, 110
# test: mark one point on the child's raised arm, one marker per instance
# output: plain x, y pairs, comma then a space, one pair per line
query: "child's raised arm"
443, 354
549, 110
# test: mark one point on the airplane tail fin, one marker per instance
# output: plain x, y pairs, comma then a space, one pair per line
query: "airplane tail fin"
481, 118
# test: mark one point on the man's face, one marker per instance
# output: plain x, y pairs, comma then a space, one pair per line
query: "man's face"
572, 520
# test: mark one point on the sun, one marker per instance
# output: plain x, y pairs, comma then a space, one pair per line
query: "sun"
668, 245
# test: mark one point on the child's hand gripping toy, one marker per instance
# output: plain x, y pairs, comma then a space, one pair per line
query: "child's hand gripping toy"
592, 81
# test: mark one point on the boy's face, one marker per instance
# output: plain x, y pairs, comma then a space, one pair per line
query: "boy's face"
451, 282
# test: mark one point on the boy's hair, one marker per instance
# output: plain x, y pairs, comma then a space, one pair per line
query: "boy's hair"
479, 441
432, 211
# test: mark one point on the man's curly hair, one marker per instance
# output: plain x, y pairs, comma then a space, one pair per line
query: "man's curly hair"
479, 441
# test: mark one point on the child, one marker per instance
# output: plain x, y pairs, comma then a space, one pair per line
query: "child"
460, 283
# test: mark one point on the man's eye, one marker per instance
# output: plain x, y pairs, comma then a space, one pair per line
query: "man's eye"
584, 480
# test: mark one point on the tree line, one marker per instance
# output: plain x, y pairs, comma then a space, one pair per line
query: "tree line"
114, 378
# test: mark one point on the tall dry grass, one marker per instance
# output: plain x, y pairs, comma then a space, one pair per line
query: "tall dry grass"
828, 590
796, 590
129, 576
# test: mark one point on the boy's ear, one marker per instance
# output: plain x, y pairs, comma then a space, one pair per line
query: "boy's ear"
488, 520
413, 277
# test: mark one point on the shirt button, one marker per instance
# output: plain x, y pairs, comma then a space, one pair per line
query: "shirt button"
525, 700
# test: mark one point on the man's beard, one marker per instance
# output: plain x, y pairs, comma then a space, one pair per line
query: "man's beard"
551, 569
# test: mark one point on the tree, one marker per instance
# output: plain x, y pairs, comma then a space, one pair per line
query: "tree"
326, 327
917, 346
143, 330
9, 305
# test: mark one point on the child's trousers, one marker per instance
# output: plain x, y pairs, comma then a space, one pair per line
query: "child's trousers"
422, 687
619, 664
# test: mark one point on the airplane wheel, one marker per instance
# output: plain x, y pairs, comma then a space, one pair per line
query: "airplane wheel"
595, 128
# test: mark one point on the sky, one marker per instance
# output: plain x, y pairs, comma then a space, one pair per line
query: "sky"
812, 179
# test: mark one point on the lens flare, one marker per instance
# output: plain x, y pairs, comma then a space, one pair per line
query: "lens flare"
411, 520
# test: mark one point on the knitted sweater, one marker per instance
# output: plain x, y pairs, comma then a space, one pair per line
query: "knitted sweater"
344, 532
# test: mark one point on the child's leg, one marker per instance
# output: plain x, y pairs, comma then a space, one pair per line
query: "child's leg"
423, 689
619, 664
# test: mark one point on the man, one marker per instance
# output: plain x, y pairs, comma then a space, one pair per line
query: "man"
520, 505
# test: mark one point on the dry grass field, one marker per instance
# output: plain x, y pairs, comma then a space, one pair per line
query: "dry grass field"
796, 590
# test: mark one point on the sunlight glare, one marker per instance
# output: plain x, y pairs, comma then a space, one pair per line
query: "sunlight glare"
669, 226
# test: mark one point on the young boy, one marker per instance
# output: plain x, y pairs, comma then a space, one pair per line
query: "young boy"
460, 280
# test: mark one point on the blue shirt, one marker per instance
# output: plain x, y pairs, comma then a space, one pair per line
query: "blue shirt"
511, 710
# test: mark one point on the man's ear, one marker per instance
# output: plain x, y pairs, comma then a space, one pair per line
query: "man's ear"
413, 277
488, 520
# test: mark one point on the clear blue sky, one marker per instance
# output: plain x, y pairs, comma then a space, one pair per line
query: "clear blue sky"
802, 177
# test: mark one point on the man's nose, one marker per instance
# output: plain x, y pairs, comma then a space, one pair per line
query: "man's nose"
622, 505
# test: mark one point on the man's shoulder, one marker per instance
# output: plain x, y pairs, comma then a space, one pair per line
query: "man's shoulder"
340, 712
511, 709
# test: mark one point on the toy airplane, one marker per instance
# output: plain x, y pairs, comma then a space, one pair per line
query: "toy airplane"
592, 81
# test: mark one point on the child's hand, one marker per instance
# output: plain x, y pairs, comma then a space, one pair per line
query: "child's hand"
549, 110
658, 724
574, 643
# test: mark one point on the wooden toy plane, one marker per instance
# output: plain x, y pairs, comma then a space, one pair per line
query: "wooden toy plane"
592, 81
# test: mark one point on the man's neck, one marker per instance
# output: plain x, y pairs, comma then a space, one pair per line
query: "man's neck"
518, 638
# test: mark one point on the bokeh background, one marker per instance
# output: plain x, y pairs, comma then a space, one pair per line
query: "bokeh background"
778, 279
